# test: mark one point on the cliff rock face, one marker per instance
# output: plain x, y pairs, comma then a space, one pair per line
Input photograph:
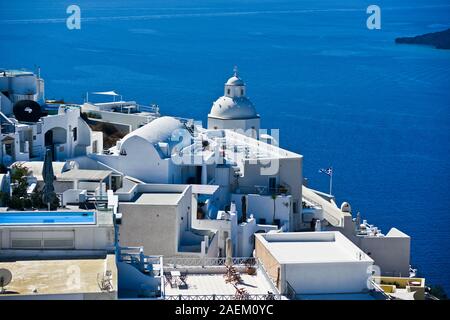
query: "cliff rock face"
440, 40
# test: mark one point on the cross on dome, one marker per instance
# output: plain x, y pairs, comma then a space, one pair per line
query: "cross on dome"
235, 69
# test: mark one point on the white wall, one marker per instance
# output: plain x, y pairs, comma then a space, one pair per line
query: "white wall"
153, 227
317, 278
133, 121
262, 207
142, 162
73, 196
234, 124
88, 237
391, 253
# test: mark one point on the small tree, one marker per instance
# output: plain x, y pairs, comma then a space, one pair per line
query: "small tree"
18, 172
36, 199
19, 196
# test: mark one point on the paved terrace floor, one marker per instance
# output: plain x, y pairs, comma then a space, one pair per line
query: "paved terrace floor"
31, 277
209, 284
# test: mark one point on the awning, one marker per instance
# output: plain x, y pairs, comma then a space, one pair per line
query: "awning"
84, 175
107, 93
204, 188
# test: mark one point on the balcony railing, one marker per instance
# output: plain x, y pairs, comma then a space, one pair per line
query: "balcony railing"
193, 262
261, 190
269, 296
136, 257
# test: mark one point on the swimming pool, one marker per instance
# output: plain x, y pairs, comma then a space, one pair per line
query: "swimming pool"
46, 217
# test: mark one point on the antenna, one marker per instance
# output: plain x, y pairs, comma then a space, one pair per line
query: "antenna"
5, 279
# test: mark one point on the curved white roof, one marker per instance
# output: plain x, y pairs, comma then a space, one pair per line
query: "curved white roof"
235, 81
159, 130
233, 108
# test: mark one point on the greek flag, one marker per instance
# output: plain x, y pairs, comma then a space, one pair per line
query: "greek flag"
328, 171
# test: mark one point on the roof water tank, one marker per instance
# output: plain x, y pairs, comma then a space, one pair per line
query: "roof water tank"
27, 111
23, 84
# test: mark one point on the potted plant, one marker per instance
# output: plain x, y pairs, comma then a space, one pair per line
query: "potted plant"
250, 269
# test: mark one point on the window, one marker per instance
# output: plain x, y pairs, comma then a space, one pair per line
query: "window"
272, 184
242, 92
75, 134
228, 91
8, 149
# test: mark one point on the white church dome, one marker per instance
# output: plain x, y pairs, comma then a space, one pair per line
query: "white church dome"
233, 104
235, 81
233, 108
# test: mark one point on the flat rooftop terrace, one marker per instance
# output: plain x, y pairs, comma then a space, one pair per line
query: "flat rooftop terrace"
197, 278
304, 252
162, 199
311, 247
208, 284
42, 277
214, 283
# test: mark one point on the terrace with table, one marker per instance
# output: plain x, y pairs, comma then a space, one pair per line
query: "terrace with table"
214, 279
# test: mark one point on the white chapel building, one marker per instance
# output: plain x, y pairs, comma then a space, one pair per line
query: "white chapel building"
234, 110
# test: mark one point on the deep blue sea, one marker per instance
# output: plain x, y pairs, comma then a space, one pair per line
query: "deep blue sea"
341, 94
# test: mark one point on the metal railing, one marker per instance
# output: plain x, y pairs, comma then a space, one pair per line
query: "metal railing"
136, 257
187, 262
378, 289
269, 296
262, 190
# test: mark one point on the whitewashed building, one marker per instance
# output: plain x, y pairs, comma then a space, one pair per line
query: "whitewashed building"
234, 110
305, 263
27, 130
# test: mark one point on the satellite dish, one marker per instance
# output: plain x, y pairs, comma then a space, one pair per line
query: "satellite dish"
5, 278
27, 111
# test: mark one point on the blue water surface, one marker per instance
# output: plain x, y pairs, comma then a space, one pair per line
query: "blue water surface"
341, 94
46, 217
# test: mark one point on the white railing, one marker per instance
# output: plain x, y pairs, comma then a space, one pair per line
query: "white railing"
377, 288
268, 296
193, 262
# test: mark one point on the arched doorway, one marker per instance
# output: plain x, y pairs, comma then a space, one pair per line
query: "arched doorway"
53, 138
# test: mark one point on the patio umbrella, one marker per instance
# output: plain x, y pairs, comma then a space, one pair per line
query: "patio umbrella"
48, 176
229, 252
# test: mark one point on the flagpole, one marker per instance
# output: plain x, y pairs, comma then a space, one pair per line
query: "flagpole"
331, 181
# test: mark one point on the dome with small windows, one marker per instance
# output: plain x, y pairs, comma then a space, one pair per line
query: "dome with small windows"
234, 104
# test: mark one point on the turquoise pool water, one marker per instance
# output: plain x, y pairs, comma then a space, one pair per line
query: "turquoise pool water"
46, 217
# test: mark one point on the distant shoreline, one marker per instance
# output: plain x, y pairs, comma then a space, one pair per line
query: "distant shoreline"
439, 40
